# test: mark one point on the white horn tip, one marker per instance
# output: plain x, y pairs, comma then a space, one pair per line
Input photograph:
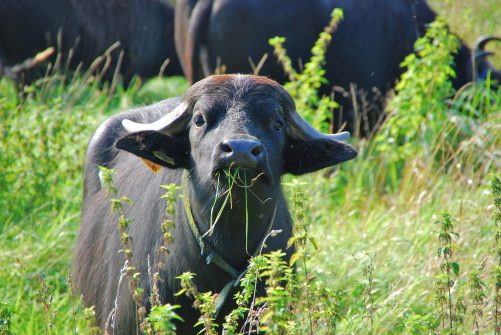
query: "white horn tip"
340, 137
131, 126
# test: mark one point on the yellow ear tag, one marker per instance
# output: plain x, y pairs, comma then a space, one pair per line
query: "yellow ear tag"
153, 166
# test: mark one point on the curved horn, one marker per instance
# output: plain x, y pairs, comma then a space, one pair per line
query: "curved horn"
479, 54
483, 40
482, 54
300, 129
172, 123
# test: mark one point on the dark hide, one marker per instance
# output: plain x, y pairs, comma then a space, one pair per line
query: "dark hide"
366, 51
231, 33
144, 28
234, 112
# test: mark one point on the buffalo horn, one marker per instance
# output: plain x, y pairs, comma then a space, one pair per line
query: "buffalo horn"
172, 123
481, 54
299, 129
483, 40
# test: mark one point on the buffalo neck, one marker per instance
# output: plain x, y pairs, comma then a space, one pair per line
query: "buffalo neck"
238, 226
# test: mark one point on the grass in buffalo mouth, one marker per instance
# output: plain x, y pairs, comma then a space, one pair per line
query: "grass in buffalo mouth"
235, 177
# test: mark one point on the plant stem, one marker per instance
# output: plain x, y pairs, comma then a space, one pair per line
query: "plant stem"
449, 292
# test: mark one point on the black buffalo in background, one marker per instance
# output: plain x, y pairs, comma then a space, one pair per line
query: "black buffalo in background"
143, 28
223, 122
365, 55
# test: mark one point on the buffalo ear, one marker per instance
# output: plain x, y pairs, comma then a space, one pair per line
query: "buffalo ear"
157, 147
308, 156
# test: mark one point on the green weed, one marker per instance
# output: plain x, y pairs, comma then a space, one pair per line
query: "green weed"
303, 86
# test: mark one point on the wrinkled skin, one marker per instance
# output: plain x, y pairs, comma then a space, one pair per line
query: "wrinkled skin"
234, 121
364, 57
145, 29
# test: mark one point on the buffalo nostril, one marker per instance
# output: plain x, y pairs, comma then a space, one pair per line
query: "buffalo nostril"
256, 150
226, 148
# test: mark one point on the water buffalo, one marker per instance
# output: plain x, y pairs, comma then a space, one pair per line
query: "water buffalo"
144, 29
223, 123
367, 48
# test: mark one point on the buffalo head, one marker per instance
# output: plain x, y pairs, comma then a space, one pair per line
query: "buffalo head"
236, 122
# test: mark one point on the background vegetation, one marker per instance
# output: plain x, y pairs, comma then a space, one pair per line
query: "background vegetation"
405, 236
470, 19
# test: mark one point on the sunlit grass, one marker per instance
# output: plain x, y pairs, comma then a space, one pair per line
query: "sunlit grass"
45, 131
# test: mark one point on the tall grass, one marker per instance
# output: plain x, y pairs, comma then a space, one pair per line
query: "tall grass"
45, 128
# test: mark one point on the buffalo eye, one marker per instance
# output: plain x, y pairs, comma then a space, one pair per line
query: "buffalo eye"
278, 125
199, 120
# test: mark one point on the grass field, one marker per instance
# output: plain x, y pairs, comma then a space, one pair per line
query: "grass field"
376, 220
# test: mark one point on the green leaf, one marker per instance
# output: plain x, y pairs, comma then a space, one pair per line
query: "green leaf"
455, 268
314, 243
294, 259
180, 292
